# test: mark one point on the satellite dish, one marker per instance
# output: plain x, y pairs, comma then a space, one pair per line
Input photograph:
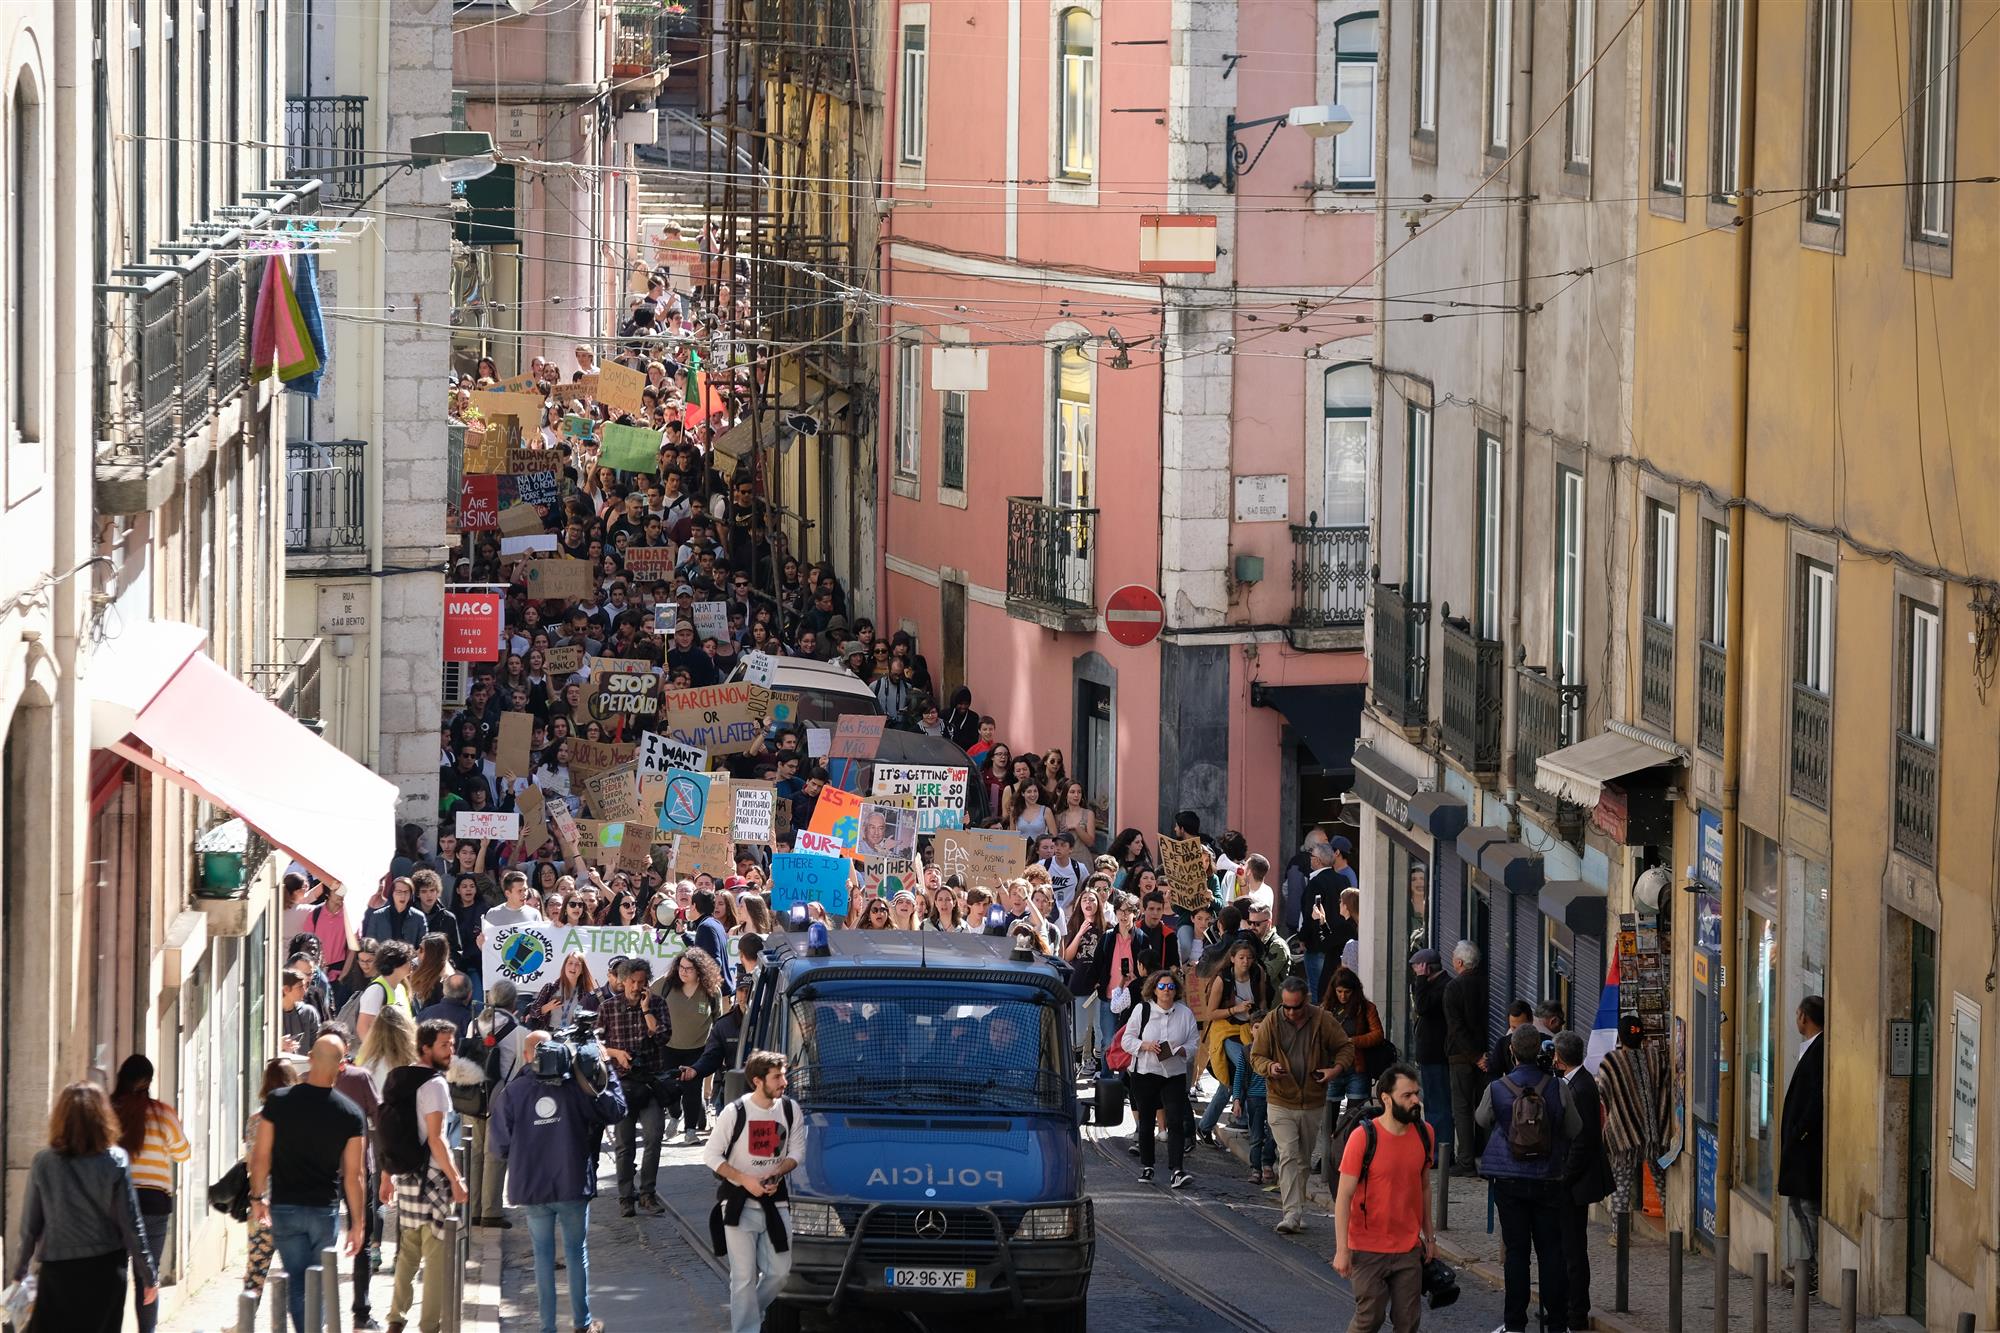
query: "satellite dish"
1651, 888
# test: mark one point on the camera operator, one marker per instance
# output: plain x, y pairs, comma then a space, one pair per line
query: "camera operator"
548, 1125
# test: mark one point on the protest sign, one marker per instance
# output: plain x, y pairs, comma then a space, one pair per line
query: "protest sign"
886, 830
492, 825
478, 503
781, 812
621, 388
784, 707
939, 792
589, 754
636, 855
890, 875
558, 578
578, 428
798, 877
531, 954
563, 823
618, 694
528, 462
564, 661
534, 817
856, 736
684, 805
649, 564
536, 487
519, 520
753, 817
525, 408
709, 854
1185, 865
818, 741
836, 817
711, 620
628, 448
512, 752
485, 449
979, 856
543, 541
757, 668
472, 623
718, 718
721, 812
596, 837
613, 793
658, 753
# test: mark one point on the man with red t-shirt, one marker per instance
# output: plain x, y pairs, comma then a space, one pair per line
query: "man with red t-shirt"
1382, 1215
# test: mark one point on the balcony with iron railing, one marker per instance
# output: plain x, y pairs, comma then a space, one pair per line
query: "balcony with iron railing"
1548, 716
1711, 681
326, 136
1051, 558
1812, 744
1916, 807
1399, 657
1473, 696
292, 683
326, 496
1329, 585
639, 43
1656, 673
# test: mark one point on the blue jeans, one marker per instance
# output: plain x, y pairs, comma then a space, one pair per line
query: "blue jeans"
1232, 1051
1315, 970
575, 1218
299, 1233
1257, 1120
1357, 1086
1108, 1024
1435, 1080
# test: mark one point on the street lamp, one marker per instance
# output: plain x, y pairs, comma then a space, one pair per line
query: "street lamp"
1321, 122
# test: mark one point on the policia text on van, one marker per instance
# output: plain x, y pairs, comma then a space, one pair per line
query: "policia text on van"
943, 1167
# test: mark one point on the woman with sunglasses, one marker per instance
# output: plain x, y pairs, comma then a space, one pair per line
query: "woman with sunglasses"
875, 916
1158, 1037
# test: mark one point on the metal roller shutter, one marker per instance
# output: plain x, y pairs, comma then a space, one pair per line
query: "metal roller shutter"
1529, 934
1448, 898
1589, 987
1500, 990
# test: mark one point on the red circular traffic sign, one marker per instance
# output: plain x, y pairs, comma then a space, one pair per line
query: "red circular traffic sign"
1134, 615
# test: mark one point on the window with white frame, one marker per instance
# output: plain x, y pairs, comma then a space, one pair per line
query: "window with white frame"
1931, 134
1486, 620
1076, 111
1569, 574
1826, 118
1715, 607
1670, 97
1664, 530
1418, 553
951, 443
1814, 664
1349, 397
1725, 167
1354, 46
1074, 483
909, 408
1426, 108
1920, 672
1582, 101
1499, 74
913, 121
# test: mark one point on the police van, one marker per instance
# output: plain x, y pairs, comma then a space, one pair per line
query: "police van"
944, 1166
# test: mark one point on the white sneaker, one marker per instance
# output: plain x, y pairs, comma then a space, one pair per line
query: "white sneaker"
1181, 1180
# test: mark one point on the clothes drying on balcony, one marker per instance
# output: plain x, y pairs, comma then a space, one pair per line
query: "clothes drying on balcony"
281, 342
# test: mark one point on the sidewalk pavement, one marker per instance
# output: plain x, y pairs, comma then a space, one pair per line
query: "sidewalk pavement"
1471, 1243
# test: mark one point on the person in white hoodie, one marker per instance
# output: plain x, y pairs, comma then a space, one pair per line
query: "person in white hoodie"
1158, 1036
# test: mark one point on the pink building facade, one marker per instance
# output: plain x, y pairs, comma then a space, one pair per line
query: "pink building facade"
1057, 424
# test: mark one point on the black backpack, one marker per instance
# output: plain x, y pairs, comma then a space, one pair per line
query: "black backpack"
399, 1139
1361, 1119
1531, 1136
476, 1099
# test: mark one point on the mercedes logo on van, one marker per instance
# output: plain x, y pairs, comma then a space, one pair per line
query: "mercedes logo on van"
930, 1224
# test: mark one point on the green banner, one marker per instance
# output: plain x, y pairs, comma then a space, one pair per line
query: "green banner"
629, 448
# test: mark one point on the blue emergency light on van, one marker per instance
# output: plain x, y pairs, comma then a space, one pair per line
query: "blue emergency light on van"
943, 1167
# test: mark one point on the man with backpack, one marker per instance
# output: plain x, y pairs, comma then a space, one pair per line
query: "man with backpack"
758, 1140
393, 963
1382, 1212
1532, 1120
486, 1061
420, 1176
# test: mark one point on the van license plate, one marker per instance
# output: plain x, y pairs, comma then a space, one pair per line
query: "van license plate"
931, 1279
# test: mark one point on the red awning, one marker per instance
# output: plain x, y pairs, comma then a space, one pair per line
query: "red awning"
219, 738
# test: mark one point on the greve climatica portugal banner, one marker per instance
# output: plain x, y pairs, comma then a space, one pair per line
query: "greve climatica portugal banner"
530, 955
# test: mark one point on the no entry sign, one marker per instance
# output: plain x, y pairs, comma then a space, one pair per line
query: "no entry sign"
1134, 615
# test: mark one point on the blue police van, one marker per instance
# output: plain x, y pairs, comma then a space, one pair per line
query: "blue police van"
944, 1165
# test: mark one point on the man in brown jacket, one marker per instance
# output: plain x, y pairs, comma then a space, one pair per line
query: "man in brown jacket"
1298, 1049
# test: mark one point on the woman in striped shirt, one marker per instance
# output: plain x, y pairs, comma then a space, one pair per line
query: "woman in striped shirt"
151, 1137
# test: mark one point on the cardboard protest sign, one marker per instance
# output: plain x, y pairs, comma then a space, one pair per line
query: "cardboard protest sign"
577, 428
530, 462
519, 520
564, 825
636, 855
512, 752
536, 487
886, 830
620, 388
534, 817
711, 620
588, 754
798, 877
559, 578
784, 707
892, 874
856, 736
485, 450
531, 954
596, 837
619, 694
710, 854
525, 408
939, 792
979, 856
493, 825
684, 806
564, 661
836, 823
613, 793
1185, 865
753, 812
544, 541
472, 625
782, 814
479, 504
659, 753
650, 564
717, 718
629, 448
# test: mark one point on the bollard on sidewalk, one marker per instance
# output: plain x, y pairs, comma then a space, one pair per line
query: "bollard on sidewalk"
277, 1292
314, 1276
1760, 1292
1965, 1322
1441, 1186
1674, 1260
329, 1289
1621, 1297
1801, 1298
455, 1259
1722, 1284
1849, 1292
246, 1312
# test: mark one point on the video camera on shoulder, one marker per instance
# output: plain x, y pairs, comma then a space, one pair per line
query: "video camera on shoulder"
574, 1050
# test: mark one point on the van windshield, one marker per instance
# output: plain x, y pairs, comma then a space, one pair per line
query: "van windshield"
919, 1050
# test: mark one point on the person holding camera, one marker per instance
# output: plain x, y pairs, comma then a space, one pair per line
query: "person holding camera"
635, 1025
1382, 1214
1299, 1049
547, 1125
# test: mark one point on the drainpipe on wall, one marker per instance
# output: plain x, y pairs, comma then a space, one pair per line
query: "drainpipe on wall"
1518, 433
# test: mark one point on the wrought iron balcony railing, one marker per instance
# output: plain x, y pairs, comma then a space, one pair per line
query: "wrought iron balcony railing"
1916, 809
637, 41
324, 136
141, 402
1547, 716
1656, 673
326, 492
1711, 679
1051, 555
1812, 744
1329, 575
1399, 658
1473, 696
